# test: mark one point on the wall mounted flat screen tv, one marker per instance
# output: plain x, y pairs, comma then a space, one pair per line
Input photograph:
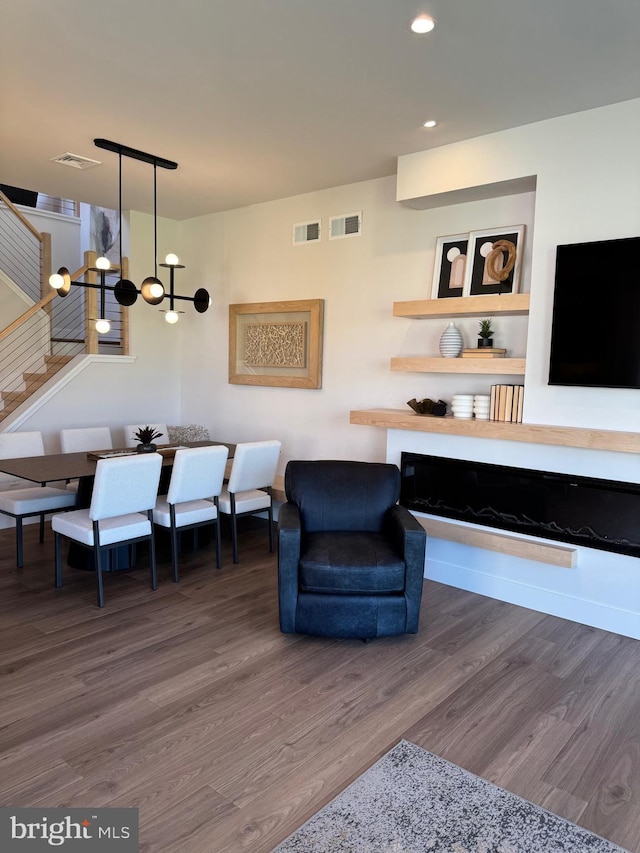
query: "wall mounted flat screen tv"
595, 334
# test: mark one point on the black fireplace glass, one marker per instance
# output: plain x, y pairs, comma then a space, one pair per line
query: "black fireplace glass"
596, 513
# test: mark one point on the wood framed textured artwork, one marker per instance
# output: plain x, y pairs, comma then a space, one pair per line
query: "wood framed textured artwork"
449, 267
276, 343
494, 261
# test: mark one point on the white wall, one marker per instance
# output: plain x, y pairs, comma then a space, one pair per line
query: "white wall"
588, 188
65, 236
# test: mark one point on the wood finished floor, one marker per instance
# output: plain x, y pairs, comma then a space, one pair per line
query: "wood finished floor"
189, 703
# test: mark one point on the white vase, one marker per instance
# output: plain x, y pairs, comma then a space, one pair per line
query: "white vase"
451, 342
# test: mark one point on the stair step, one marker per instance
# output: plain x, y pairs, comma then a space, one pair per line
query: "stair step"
15, 396
6, 410
32, 382
58, 359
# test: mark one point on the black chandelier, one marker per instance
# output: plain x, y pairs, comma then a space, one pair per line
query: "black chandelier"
125, 292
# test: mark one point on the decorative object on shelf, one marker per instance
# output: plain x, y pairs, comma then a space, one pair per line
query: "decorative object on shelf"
428, 407
484, 352
506, 403
462, 406
451, 342
450, 265
146, 436
276, 343
494, 261
125, 292
486, 333
481, 404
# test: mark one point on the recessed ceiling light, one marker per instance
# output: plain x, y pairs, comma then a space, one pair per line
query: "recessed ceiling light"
422, 24
430, 123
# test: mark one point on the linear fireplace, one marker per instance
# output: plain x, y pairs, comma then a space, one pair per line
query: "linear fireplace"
596, 513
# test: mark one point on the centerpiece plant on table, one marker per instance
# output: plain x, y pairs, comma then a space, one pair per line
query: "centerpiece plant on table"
146, 437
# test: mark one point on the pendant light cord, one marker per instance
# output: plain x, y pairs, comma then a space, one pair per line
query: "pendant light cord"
155, 220
120, 205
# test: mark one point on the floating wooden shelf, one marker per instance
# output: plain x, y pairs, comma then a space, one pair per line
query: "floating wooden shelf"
543, 552
592, 439
464, 306
493, 366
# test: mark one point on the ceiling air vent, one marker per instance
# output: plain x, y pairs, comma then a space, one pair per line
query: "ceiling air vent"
306, 232
349, 225
76, 161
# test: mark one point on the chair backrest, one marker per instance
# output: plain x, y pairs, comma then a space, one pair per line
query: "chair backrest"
342, 495
254, 465
198, 472
85, 438
125, 484
131, 441
18, 444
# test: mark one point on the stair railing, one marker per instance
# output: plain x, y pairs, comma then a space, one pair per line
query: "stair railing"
53, 330
25, 253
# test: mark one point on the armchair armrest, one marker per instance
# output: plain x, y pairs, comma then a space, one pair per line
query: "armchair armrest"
410, 539
289, 538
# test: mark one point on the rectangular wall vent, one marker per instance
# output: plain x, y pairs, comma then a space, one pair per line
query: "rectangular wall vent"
76, 161
349, 225
306, 232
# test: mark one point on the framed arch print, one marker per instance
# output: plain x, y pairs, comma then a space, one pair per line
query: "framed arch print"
450, 266
494, 261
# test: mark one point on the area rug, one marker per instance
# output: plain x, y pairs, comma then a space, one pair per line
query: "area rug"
411, 801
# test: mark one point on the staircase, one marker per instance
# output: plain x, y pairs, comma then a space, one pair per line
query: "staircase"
32, 382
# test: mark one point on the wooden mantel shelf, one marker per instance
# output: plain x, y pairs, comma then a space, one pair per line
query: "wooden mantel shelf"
592, 439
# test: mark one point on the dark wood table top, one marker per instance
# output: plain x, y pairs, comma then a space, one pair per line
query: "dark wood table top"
73, 466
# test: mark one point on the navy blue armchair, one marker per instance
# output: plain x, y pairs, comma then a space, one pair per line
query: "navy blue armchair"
350, 560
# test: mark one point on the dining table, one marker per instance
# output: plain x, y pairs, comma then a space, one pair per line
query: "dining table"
64, 467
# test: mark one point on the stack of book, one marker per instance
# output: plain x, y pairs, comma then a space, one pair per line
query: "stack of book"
483, 352
505, 403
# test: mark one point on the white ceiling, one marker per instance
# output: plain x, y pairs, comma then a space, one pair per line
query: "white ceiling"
263, 99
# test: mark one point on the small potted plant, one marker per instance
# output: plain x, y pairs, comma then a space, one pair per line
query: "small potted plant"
146, 436
486, 334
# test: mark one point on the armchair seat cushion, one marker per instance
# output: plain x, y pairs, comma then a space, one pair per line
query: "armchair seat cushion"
343, 563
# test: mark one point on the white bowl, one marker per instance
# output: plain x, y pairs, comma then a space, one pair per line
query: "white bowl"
463, 398
463, 415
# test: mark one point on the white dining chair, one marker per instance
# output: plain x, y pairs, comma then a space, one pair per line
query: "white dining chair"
130, 430
29, 500
121, 512
250, 482
79, 439
192, 499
